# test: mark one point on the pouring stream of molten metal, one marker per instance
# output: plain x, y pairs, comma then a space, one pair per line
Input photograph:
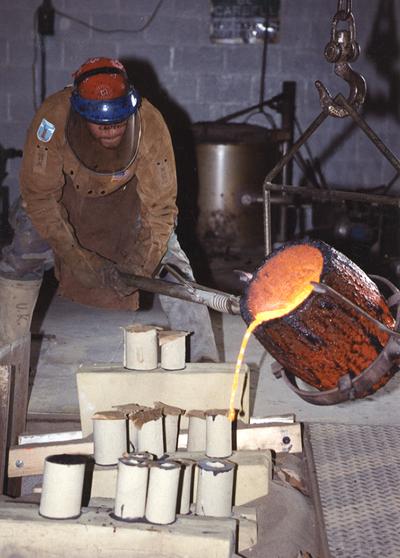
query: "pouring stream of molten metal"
289, 275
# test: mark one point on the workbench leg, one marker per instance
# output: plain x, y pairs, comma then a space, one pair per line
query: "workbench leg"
5, 380
18, 359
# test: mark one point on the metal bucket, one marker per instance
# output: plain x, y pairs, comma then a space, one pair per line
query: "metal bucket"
232, 161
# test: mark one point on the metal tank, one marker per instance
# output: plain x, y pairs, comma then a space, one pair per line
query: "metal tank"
232, 161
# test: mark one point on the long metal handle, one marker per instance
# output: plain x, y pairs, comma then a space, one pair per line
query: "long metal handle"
216, 300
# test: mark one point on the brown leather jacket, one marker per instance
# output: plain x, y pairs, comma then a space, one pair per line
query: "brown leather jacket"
92, 219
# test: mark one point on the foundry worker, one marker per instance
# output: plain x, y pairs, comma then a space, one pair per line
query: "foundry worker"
98, 187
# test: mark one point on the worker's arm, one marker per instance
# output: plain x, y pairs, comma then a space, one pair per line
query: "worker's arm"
157, 190
42, 181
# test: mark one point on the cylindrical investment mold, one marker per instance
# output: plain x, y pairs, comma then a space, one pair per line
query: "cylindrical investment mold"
162, 492
173, 349
133, 433
151, 437
185, 486
139, 456
140, 347
133, 412
171, 427
130, 497
215, 487
171, 424
62, 488
218, 434
196, 431
109, 437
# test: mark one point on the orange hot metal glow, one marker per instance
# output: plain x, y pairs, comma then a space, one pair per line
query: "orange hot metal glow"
289, 275
285, 281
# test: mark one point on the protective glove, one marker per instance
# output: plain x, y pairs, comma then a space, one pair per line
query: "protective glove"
93, 271
112, 279
147, 268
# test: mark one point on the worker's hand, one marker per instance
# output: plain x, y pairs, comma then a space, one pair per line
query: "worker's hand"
131, 265
111, 278
93, 271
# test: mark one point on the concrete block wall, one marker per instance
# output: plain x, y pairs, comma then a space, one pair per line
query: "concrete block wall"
174, 63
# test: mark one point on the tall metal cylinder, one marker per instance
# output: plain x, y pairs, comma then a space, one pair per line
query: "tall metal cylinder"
232, 161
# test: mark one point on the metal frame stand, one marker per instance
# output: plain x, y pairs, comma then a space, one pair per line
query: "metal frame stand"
285, 189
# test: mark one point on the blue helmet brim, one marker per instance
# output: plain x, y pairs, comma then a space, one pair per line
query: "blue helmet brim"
106, 111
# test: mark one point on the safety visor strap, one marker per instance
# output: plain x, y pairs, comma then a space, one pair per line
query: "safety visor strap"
97, 71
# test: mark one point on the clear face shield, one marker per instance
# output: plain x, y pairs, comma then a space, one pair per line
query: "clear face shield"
96, 155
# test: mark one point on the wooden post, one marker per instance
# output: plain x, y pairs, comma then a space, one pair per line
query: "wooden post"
16, 357
5, 377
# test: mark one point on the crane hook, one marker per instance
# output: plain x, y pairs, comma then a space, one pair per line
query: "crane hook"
340, 50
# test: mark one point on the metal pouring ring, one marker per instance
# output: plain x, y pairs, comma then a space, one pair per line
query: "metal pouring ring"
348, 388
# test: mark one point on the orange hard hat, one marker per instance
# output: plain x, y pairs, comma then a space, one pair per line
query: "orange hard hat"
93, 81
102, 93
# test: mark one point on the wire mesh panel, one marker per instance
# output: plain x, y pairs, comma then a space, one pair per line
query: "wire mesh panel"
356, 477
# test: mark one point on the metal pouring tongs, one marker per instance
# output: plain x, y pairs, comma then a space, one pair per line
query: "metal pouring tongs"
185, 290
340, 50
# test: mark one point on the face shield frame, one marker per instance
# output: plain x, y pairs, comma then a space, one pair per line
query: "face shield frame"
106, 111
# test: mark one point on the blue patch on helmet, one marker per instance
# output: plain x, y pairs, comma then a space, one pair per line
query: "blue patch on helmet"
106, 111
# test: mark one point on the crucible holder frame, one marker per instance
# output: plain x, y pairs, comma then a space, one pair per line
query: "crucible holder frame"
348, 387
315, 193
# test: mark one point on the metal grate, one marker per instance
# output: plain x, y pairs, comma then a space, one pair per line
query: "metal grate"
356, 472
